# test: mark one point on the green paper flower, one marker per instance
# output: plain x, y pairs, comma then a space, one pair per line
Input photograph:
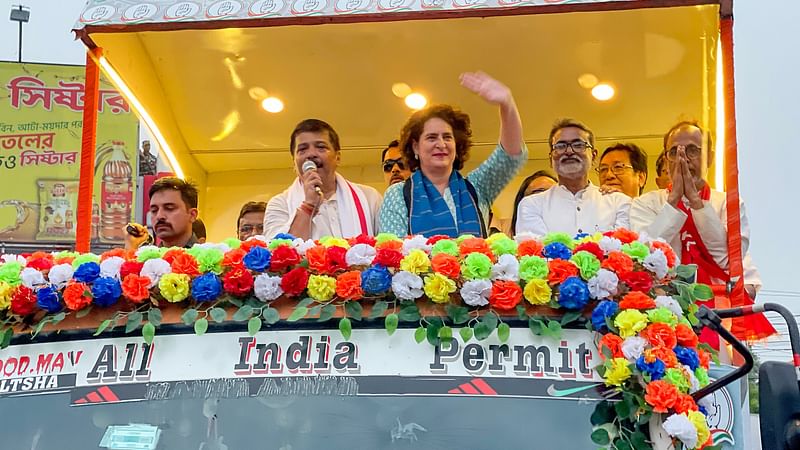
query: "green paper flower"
84, 258
209, 260
676, 378
385, 237
447, 246
564, 238
587, 263
148, 254
233, 243
9, 272
702, 376
476, 266
533, 268
636, 250
66, 254
275, 243
463, 237
503, 246
662, 315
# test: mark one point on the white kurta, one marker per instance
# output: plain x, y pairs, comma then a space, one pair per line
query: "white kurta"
559, 210
652, 214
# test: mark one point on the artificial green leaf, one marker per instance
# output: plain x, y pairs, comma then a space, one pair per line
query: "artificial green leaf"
503, 332
552, 330
391, 323
408, 312
315, 310
686, 271
134, 320
378, 308
702, 292
253, 325
603, 413
327, 312
353, 310
189, 316
445, 333
535, 325
270, 315
622, 409
298, 314
482, 331
419, 334
306, 301
235, 302
639, 441
522, 314
243, 313
218, 314
490, 319
620, 444
148, 332
432, 332
201, 326
466, 333
345, 327
154, 316
600, 437
458, 314
83, 312
8, 333
610, 325
103, 325
569, 317
58, 317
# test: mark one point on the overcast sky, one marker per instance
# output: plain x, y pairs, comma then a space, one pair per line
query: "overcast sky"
767, 108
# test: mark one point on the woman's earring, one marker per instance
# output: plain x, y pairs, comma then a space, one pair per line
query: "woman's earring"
416, 156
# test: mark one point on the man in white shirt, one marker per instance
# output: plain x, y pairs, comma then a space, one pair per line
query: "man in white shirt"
575, 205
321, 202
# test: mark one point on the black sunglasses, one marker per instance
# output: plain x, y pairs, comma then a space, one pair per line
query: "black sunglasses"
389, 164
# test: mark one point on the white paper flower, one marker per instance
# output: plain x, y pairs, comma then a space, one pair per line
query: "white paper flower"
656, 262
221, 246
603, 285
506, 268
406, 285
633, 347
110, 267
267, 287
609, 244
60, 274
693, 381
13, 258
706, 402
679, 426
360, 255
302, 245
476, 292
31, 277
416, 242
154, 269
669, 303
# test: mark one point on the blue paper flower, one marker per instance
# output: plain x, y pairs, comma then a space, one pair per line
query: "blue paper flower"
257, 259
687, 356
87, 272
376, 280
556, 250
48, 300
573, 293
284, 236
655, 369
580, 236
106, 291
603, 310
207, 287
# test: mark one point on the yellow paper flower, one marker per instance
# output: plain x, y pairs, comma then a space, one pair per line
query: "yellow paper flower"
618, 372
537, 292
415, 262
438, 287
698, 419
630, 322
321, 287
496, 237
174, 287
329, 241
6, 292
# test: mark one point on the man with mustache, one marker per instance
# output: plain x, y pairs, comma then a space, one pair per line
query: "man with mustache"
173, 210
395, 169
575, 205
321, 202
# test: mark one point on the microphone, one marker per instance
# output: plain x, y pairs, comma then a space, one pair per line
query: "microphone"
311, 165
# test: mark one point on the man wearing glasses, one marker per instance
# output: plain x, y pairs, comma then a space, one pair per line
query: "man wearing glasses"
575, 205
394, 168
251, 220
623, 168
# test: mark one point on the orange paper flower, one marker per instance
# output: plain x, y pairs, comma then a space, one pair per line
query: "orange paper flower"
136, 288
390, 245
560, 270
618, 262
660, 335
348, 285
184, 263
684, 404
686, 336
664, 354
613, 343
637, 300
114, 252
704, 357
249, 244
530, 248
234, 258
625, 236
317, 259
672, 258
475, 245
505, 294
170, 255
446, 265
77, 296
661, 395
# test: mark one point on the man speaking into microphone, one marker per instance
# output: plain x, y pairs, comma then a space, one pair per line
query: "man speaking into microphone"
320, 202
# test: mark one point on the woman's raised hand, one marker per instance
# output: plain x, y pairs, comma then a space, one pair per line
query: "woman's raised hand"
487, 87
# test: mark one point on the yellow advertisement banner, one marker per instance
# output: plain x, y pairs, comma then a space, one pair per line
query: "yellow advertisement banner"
41, 111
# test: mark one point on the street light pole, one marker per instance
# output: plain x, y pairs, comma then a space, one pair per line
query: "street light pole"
19, 42
20, 15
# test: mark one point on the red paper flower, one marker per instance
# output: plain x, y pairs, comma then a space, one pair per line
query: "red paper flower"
637, 281
40, 261
362, 239
184, 263
348, 285
77, 296
446, 265
475, 245
592, 248
637, 300
686, 336
661, 395
436, 238
130, 267
660, 335
235, 257
388, 257
136, 288
530, 248
283, 257
23, 302
704, 357
505, 294
613, 343
294, 282
336, 258
625, 236
684, 404
560, 270
238, 282
390, 245
618, 262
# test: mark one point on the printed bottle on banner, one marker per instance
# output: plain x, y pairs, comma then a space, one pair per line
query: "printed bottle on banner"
116, 194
